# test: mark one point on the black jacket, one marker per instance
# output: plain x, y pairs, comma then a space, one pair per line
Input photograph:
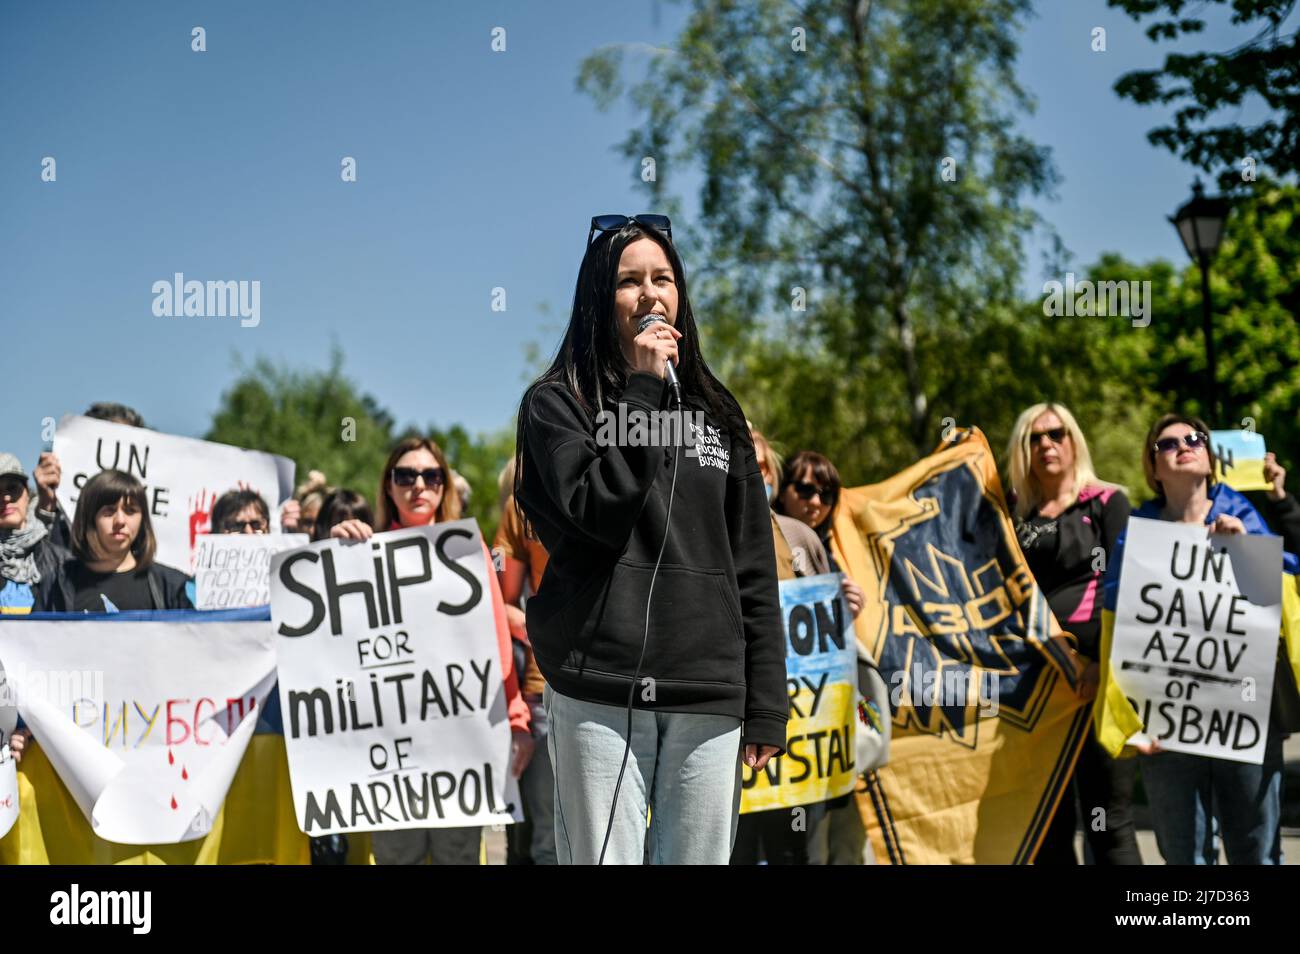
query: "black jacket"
1072, 581
50, 558
166, 584
716, 640
56, 591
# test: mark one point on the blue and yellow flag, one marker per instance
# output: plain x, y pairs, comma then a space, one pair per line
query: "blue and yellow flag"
255, 825
987, 723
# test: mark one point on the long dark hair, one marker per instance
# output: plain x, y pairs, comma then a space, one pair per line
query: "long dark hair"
589, 363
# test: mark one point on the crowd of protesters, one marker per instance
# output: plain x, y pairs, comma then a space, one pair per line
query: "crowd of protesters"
101, 559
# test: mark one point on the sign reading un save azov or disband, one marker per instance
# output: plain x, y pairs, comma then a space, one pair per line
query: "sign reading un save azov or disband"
821, 682
1196, 636
183, 477
390, 682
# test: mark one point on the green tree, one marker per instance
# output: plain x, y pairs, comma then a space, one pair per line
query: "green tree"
324, 421
320, 419
1255, 291
1267, 66
479, 459
865, 154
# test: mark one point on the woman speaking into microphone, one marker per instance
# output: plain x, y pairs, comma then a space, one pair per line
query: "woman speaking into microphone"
657, 623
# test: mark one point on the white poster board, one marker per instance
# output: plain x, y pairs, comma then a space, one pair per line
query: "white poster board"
8, 768
183, 477
1196, 635
233, 570
394, 708
145, 721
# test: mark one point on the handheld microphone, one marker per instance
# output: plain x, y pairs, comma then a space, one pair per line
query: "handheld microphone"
676, 388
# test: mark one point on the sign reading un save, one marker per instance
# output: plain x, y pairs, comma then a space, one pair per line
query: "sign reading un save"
821, 680
1196, 636
390, 682
182, 477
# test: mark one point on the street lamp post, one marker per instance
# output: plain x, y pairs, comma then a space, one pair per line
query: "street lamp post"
1200, 225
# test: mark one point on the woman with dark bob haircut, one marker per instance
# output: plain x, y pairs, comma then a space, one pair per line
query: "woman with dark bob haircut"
661, 640
112, 566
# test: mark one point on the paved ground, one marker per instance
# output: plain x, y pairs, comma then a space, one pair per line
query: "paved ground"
1290, 814
496, 839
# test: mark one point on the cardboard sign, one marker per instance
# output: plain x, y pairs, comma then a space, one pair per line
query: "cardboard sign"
1240, 462
233, 570
821, 677
390, 682
183, 477
145, 721
1196, 636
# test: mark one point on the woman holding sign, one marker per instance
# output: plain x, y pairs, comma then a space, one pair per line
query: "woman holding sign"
809, 491
413, 493
113, 567
1067, 522
1188, 792
657, 623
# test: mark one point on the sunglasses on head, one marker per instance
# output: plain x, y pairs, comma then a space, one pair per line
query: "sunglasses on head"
1053, 434
806, 491
610, 223
1194, 440
406, 476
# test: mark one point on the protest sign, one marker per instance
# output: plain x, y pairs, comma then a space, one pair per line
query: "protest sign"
1196, 636
8, 769
183, 477
1240, 459
390, 682
233, 570
145, 721
821, 679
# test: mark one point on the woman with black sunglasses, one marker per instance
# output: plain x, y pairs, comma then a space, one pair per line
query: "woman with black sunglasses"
413, 492
657, 623
1189, 793
809, 492
1066, 518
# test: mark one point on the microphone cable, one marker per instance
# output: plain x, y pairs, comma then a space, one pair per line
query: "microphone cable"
645, 638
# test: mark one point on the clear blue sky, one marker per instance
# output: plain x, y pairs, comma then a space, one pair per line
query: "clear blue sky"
475, 170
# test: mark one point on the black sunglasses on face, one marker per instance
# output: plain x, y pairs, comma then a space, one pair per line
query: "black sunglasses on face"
1194, 441
237, 526
406, 476
13, 489
806, 491
1055, 435
609, 223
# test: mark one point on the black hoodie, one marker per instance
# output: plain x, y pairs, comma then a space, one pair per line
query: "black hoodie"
716, 641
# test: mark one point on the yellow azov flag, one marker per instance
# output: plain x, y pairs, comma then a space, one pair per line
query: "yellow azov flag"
986, 720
